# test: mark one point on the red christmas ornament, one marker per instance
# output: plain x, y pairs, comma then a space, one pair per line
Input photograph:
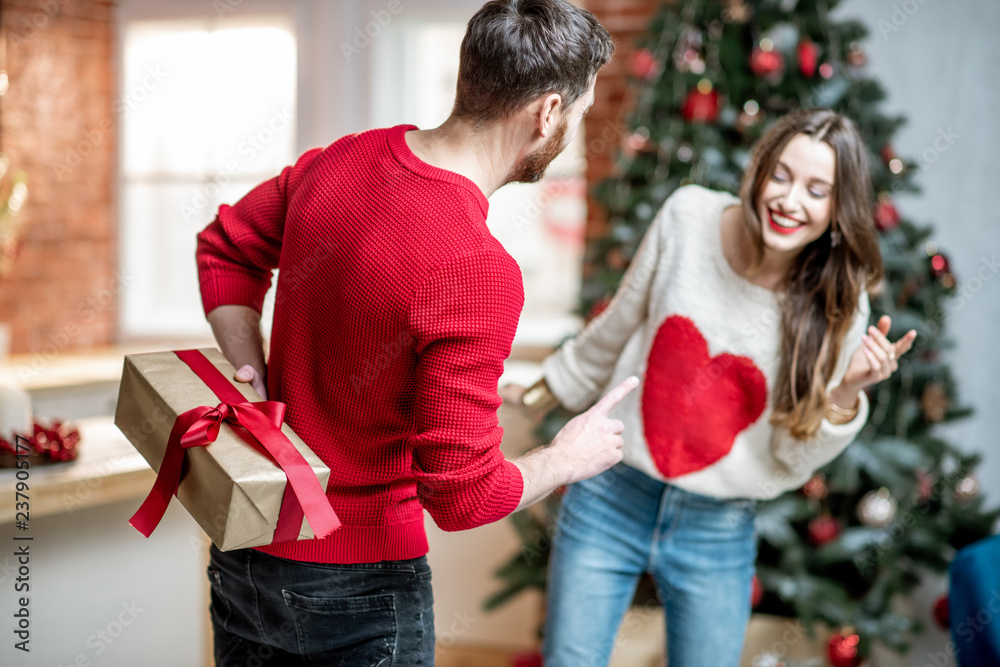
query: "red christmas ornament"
528, 659
925, 486
941, 615
886, 215
767, 63
643, 64
808, 54
823, 529
843, 649
940, 265
815, 487
887, 153
701, 104
757, 593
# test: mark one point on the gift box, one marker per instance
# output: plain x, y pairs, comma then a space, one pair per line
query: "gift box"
243, 474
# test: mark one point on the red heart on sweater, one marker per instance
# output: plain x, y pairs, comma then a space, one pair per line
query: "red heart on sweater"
694, 405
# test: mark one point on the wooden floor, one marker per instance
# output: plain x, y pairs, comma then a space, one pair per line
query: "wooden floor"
467, 656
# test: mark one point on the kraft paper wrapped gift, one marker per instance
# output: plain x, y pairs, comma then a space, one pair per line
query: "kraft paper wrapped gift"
244, 476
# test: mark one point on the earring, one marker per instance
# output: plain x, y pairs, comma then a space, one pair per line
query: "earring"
834, 239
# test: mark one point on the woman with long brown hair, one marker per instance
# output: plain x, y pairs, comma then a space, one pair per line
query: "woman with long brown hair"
746, 319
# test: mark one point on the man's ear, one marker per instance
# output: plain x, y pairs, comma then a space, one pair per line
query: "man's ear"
548, 114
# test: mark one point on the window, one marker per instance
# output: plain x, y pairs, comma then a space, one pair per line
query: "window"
207, 111
213, 104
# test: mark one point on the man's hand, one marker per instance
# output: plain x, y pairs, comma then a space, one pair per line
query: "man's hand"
592, 442
588, 445
249, 374
237, 330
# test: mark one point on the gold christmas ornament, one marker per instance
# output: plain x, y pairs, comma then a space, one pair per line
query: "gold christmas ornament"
934, 402
737, 12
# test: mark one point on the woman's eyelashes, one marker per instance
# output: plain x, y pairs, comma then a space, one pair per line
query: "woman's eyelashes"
814, 193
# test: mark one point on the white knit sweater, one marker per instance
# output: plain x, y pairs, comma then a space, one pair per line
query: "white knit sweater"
705, 343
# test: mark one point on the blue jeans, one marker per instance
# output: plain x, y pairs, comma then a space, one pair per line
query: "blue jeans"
270, 611
615, 527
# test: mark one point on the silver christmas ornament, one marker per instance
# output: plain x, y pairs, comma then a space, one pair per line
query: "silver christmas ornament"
877, 508
966, 489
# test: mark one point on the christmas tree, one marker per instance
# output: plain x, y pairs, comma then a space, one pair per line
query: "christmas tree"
856, 539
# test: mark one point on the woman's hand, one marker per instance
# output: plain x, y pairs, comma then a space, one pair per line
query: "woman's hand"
874, 361
512, 394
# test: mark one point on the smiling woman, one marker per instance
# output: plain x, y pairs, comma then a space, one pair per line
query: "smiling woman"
808, 230
797, 198
721, 419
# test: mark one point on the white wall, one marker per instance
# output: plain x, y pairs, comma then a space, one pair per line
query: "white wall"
939, 62
104, 596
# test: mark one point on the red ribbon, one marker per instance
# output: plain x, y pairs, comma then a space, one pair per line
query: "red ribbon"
199, 427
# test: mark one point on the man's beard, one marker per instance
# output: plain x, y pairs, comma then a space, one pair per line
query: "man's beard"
533, 166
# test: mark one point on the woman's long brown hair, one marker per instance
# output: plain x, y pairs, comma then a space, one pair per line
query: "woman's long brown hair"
823, 286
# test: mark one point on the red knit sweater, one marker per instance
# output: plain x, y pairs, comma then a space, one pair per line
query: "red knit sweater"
394, 311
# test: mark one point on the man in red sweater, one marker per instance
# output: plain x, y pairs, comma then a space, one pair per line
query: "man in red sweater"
395, 310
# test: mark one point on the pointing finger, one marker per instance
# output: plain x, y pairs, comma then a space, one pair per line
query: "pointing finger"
615, 396
904, 344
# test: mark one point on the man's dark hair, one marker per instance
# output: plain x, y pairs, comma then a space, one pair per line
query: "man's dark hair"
515, 51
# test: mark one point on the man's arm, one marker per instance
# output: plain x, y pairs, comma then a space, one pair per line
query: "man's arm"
463, 321
235, 256
237, 330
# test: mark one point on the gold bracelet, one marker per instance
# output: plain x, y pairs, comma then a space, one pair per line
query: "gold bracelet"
840, 415
539, 398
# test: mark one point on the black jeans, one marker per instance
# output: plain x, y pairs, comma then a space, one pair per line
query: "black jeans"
270, 611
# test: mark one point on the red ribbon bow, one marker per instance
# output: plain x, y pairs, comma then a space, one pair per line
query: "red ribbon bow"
199, 427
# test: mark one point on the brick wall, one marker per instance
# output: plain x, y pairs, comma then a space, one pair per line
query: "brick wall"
626, 20
57, 125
